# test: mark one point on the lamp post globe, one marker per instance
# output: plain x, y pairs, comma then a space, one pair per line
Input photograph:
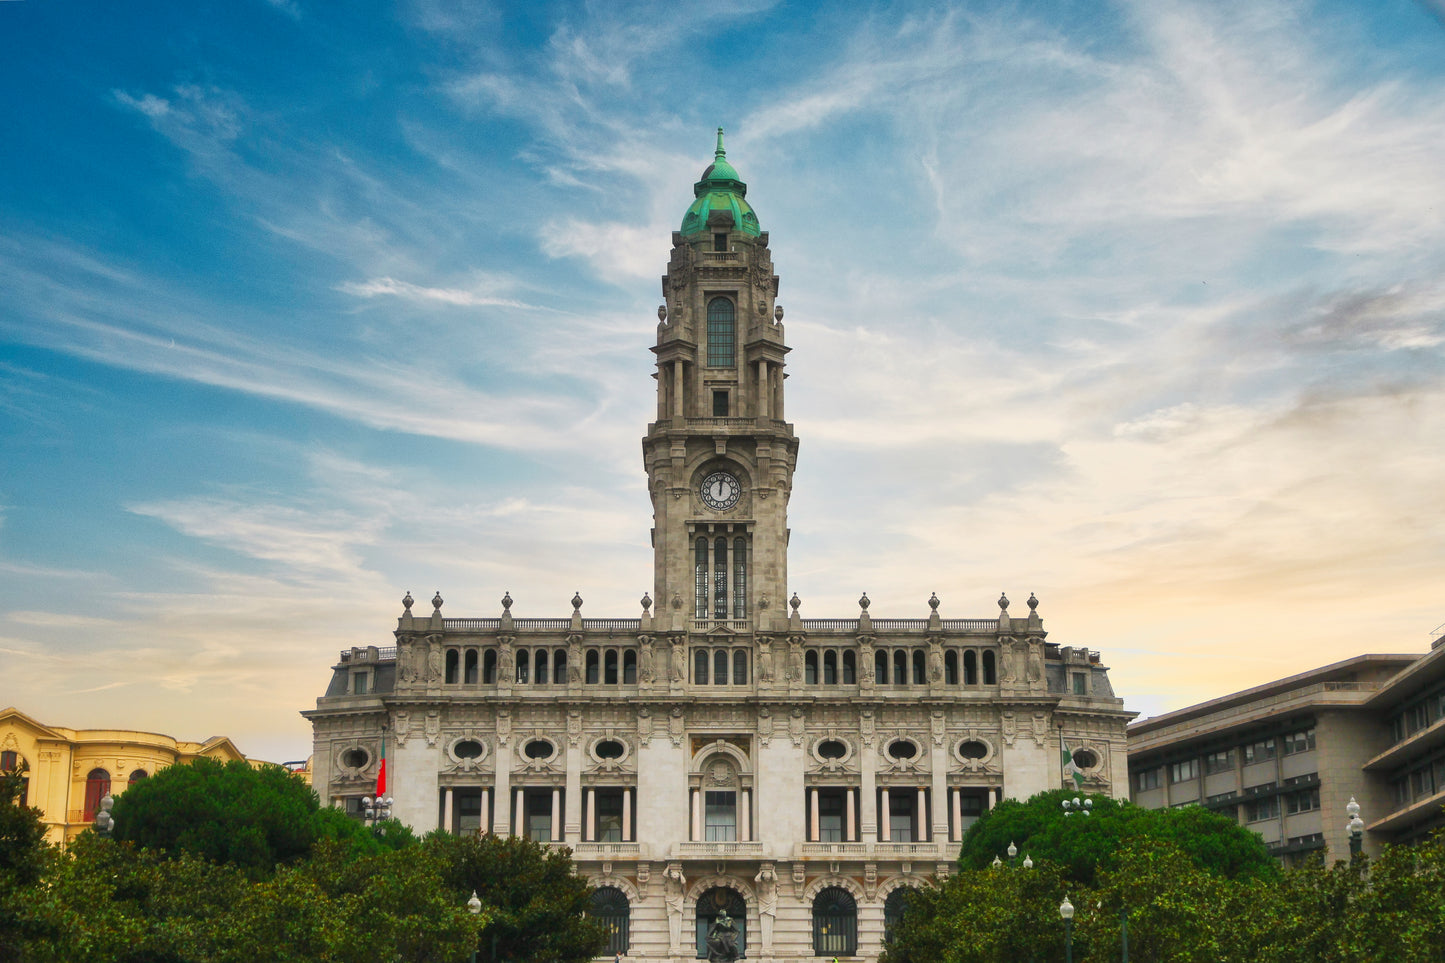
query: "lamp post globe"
1355, 827
1066, 910
474, 906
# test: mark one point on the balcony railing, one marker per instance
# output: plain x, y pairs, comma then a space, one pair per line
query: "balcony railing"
718, 850
608, 851
707, 625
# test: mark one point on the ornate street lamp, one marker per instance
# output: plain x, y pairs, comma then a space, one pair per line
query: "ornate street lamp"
1066, 910
1085, 806
377, 810
1356, 828
1077, 806
474, 906
104, 821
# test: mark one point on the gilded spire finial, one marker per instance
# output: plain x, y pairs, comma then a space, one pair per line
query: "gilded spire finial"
720, 151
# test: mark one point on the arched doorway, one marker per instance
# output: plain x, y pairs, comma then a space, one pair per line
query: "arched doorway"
710, 906
611, 909
895, 907
97, 787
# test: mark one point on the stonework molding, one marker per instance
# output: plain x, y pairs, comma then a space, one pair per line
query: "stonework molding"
811, 891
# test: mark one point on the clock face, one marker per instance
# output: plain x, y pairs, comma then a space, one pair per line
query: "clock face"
720, 491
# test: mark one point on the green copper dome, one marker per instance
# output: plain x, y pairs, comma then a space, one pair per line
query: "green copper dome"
720, 190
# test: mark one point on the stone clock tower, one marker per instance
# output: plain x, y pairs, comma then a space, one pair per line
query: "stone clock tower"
720, 457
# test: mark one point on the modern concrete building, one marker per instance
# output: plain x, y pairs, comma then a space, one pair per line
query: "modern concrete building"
1285, 758
718, 751
66, 772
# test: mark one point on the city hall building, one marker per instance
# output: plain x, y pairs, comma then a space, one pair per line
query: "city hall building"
717, 751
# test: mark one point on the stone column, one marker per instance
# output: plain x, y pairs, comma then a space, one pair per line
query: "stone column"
626, 816
521, 821
868, 792
483, 825
851, 800
745, 816
573, 823
957, 814
813, 828
885, 822
556, 814
447, 810
939, 816
924, 831
589, 826
697, 815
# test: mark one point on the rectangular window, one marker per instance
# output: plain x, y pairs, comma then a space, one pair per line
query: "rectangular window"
1302, 741
830, 815
720, 243
539, 815
1146, 779
719, 404
720, 820
1221, 797
1184, 771
1258, 809
900, 816
466, 810
1303, 801
1219, 762
359, 681
1261, 751
609, 815
1081, 684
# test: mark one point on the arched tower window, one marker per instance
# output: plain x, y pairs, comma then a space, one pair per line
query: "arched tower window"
469, 676
451, 665
900, 666
950, 667
138, 775
740, 667
880, 668
611, 909
559, 667
609, 667
740, 578
990, 675
970, 667
700, 663
810, 667
593, 671
701, 565
629, 667
835, 923
850, 668
543, 673
711, 905
489, 667
895, 907
720, 579
920, 667
721, 333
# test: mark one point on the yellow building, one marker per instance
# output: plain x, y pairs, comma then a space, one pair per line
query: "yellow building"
68, 771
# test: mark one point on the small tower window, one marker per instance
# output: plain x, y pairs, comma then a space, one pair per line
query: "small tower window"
721, 333
720, 242
719, 404
701, 565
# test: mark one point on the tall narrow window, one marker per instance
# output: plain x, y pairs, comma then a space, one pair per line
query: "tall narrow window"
830, 667
700, 664
720, 579
950, 667
720, 667
489, 667
810, 667
610, 908
701, 567
543, 671
835, 923
989, 675
629, 667
609, 667
880, 668
721, 336
900, 667
524, 666
850, 669
920, 667
970, 667
740, 578
470, 675
740, 667
97, 787
451, 665
720, 816
559, 667
719, 404
720, 243
593, 672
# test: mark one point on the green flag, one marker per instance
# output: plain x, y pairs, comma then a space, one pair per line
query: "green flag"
1067, 759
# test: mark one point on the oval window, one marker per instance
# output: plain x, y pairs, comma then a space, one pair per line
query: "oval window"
538, 749
902, 749
467, 749
972, 749
609, 749
355, 758
1086, 758
832, 749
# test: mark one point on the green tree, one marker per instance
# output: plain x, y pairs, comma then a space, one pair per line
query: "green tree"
232, 813
24, 858
538, 906
1083, 845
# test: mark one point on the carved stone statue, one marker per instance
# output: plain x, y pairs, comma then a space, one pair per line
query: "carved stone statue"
678, 661
646, 671
434, 663
1036, 662
767, 881
765, 659
674, 887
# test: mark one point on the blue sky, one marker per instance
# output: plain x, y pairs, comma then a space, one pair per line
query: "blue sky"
1137, 306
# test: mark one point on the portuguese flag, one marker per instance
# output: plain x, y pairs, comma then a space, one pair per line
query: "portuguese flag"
381, 770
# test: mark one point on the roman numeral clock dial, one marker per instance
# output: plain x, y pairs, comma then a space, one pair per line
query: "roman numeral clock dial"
720, 491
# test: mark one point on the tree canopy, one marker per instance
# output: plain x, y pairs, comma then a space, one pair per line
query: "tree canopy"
1084, 845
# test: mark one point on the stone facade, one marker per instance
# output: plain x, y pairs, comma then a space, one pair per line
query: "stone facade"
719, 751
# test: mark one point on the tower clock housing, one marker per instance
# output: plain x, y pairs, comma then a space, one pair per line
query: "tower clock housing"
720, 456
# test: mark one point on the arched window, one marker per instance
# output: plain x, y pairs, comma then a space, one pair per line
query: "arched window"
970, 667
559, 667
720, 579
900, 667
700, 664
97, 787
609, 667
740, 667
629, 667
611, 909
12, 763
711, 905
850, 669
720, 667
721, 333
489, 667
543, 672
835, 923
830, 667
920, 667
592, 667
990, 675
895, 907
810, 667
950, 667
524, 666
880, 668
700, 559
138, 775
451, 665
470, 674
740, 578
